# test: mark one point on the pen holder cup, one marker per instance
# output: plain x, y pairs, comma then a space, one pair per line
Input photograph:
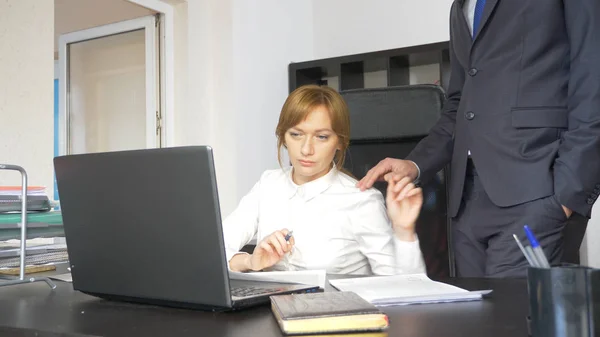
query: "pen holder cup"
564, 301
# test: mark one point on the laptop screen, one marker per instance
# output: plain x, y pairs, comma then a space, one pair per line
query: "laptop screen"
145, 224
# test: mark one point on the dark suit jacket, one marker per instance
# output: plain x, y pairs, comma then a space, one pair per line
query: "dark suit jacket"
524, 97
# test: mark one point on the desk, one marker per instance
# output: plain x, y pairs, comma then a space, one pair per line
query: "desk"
36, 307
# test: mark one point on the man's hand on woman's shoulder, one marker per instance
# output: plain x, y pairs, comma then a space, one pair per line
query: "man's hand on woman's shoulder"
389, 168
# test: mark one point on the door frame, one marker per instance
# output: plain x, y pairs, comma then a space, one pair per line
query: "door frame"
167, 66
148, 23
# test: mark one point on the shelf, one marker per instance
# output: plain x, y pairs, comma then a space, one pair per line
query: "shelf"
353, 71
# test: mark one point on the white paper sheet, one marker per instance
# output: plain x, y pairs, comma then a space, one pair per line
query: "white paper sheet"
405, 289
66, 277
308, 277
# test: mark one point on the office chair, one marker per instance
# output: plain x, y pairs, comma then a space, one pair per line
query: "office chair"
389, 122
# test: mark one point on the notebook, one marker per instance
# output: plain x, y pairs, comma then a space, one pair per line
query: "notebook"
327, 312
405, 289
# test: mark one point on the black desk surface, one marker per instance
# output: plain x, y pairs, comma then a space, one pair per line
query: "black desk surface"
35, 310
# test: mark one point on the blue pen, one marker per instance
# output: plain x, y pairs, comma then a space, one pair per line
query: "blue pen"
288, 236
537, 250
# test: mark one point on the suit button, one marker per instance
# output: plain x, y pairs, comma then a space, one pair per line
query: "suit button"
469, 115
590, 201
472, 71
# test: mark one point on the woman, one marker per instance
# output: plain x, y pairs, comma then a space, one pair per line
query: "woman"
332, 225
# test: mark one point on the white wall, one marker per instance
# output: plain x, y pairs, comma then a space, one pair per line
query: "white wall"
238, 53
343, 27
210, 82
266, 38
590, 248
26, 90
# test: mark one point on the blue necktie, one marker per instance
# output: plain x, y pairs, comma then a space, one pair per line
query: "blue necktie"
479, 5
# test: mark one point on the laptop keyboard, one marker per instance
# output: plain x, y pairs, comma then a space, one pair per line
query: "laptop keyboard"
252, 291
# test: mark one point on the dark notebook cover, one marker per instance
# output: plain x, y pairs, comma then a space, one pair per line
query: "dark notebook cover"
313, 305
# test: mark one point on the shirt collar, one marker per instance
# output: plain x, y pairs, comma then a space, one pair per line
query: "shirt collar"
311, 189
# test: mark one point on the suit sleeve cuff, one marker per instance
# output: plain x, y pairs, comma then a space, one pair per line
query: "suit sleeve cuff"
418, 172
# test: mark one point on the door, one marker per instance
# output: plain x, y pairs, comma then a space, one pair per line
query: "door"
109, 88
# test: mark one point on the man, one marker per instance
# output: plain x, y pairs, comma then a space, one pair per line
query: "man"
520, 127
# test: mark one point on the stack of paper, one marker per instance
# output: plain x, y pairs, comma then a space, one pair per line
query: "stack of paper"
308, 277
16, 190
405, 289
10, 199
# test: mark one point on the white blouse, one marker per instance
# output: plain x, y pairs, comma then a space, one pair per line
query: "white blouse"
336, 226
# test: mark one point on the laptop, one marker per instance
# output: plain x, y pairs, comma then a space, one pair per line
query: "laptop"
145, 226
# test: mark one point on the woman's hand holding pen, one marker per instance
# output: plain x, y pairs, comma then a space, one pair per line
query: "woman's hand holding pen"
270, 250
404, 201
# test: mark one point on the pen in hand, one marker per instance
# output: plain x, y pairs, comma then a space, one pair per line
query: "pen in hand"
288, 236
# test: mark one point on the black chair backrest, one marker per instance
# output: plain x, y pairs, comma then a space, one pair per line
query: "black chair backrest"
389, 122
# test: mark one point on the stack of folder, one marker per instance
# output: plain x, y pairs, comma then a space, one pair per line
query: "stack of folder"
42, 224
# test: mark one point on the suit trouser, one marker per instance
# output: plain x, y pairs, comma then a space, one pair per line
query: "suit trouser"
482, 232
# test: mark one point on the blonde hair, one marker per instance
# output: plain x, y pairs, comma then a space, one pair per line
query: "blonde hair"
302, 102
